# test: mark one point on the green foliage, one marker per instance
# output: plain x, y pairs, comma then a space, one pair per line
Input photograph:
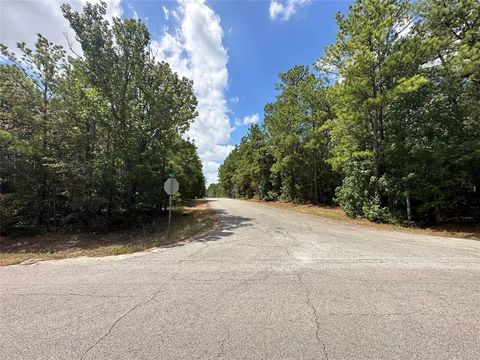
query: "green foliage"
389, 118
407, 105
356, 196
246, 171
286, 158
90, 140
393, 108
214, 190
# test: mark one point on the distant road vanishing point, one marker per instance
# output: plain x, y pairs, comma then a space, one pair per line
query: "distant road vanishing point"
268, 284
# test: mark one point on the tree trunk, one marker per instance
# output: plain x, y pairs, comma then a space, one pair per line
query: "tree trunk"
43, 190
54, 202
129, 196
377, 132
110, 181
315, 178
438, 218
376, 151
409, 212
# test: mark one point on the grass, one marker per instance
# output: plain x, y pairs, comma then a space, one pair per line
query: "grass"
192, 218
459, 230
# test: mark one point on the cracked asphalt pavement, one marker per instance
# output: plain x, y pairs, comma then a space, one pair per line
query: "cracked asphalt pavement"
268, 284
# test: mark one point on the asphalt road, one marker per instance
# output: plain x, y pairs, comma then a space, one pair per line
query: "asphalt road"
270, 284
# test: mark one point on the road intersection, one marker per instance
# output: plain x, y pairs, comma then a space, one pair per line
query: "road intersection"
268, 284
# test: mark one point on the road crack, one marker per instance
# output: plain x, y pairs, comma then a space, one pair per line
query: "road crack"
199, 250
223, 342
320, 343
124, 315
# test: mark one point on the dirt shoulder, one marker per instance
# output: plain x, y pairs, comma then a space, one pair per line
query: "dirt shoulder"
466, 231
193, 218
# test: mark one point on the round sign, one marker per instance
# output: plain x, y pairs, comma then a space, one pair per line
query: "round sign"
171, 186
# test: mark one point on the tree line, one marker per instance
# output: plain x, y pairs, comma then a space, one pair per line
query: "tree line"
89, 139
386, 123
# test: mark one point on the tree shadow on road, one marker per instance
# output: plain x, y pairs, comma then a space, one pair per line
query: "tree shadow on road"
227, 223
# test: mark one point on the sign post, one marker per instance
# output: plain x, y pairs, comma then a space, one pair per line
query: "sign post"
171, 188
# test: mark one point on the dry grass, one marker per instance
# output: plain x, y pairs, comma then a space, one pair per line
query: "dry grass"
466, 231
193, 218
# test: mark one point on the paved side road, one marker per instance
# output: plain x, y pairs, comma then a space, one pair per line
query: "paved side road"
270, 284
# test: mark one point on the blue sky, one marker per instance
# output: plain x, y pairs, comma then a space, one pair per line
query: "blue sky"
233, 50
260, 48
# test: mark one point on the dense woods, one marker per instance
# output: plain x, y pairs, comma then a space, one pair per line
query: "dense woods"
386, 123
88, 140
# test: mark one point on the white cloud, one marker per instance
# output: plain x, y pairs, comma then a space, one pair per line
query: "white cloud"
250, 119
283, 10
114, 8
166, 13
217, 152
21, 21
194, 49
234, 100
247, 120
275, 9
210, 168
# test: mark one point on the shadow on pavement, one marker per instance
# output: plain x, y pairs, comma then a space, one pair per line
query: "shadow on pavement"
227, 224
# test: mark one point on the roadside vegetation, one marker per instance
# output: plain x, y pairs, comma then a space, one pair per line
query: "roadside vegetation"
87, 140
386, 124
190, 218
445, 229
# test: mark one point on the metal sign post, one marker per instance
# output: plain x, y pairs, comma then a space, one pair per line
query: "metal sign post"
171, 188
169, 213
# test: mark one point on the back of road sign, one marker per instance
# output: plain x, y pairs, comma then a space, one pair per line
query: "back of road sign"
171, 186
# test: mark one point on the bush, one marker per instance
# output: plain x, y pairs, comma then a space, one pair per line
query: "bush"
357, 197
271, 196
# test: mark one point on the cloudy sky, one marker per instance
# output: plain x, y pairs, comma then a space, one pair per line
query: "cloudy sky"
232, 50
